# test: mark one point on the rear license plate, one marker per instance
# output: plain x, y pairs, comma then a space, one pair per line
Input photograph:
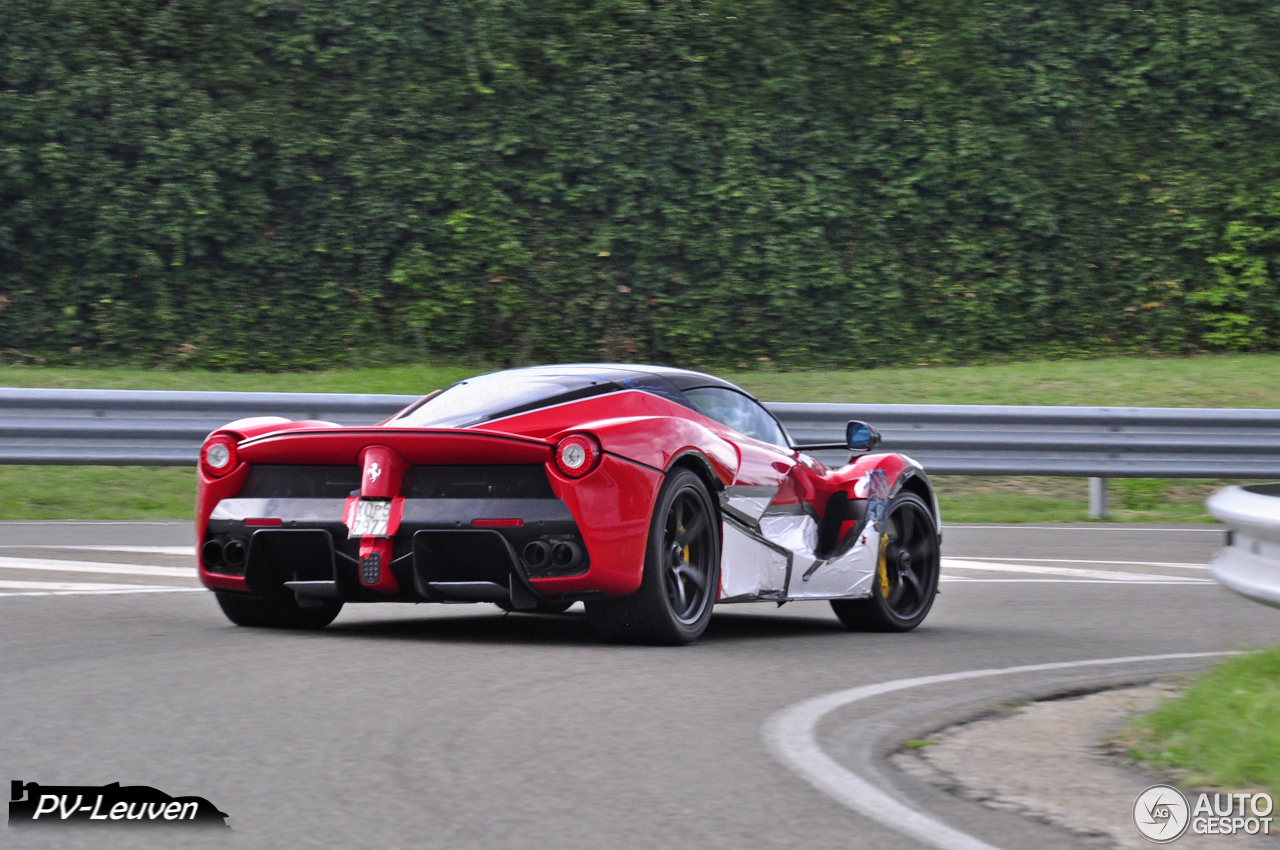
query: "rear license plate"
370, 516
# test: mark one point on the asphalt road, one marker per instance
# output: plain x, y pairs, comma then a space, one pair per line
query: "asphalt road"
457, 726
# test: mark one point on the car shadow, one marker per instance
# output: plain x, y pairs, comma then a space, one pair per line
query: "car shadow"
568, 628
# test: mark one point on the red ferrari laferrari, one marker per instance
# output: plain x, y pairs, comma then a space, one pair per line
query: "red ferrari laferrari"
647, 493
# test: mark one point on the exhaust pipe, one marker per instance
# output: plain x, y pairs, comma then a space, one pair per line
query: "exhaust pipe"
211, 553
234, 553
566, 553
536, 554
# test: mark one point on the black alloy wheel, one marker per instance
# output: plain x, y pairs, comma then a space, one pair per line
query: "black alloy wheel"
906, 580
277, 612
681, 571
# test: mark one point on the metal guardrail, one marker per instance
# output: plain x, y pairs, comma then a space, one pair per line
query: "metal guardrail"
123, 427
153, 427
1104, 442
1250, 564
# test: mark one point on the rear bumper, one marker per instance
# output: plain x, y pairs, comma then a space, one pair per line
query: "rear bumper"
608, 512
443, 550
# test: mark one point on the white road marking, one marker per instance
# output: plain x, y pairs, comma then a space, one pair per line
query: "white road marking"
1177, 564
789, 734
79, 588
1068, 572
133, 588
1208, 528
65, 585
186, 551
966, 579
50, 565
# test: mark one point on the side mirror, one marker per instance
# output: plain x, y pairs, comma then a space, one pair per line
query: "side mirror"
861, 437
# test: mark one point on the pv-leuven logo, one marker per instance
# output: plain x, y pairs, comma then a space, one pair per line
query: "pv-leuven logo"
374, 471
33, 804
1161, 813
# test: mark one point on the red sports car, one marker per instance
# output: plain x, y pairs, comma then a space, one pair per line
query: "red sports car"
647, 493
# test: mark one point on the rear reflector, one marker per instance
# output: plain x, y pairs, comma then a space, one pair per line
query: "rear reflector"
264, 520
497, 523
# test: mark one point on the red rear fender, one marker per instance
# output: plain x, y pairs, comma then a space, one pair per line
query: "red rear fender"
656, 441
257, 426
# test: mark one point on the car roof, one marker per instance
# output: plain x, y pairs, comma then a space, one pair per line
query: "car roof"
680, 378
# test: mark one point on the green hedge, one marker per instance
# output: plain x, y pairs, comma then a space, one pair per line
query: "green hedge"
286, 183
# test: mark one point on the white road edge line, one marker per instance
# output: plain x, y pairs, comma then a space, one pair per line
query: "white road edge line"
1207, 529
68, 585
1066, 572
790, 737
51, 565
138, 589
1181, 582
183, 551
1179, 564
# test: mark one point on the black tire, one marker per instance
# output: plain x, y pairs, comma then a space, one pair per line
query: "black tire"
681, 571
280, 612
540, 608
906, 580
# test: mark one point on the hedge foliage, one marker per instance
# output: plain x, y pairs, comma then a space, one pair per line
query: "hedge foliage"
287, 183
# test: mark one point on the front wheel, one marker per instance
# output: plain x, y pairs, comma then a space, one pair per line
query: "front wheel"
281, 612
906, 580
681, 571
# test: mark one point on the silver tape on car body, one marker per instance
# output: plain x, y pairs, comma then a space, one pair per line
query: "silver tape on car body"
848, 575
751, 567
747, 503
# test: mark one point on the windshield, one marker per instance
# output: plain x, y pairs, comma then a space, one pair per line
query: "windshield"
487, 397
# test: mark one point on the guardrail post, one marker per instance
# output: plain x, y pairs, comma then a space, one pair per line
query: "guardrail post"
1097, 498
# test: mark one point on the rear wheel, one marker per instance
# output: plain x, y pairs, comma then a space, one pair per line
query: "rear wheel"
906, 579
281, 612
681, 571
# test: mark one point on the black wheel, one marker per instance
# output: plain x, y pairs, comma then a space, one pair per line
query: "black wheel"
681, 571
907, 574
280, 612
540, 608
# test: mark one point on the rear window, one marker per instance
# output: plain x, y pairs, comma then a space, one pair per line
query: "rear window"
739, 412
488, 397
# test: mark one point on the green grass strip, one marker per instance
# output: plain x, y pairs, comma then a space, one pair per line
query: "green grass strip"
1224, 731
1207, 381
97, 492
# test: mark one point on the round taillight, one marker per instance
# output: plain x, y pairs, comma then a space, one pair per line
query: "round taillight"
218, 457
577, 454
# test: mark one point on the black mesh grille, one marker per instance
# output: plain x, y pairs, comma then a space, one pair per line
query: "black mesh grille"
477, 482
279, 481
371, 568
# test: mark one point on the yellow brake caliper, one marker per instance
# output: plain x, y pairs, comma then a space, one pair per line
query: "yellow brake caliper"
882, 569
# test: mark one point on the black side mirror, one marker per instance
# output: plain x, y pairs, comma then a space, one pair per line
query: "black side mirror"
861, 437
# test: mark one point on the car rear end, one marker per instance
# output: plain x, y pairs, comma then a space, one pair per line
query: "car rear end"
413, 515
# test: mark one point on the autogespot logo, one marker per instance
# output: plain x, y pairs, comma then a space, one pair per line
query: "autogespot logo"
1161, 813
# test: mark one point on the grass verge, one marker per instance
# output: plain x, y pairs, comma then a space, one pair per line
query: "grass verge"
97, 492
1208, 381
1025, 499
1222, 731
